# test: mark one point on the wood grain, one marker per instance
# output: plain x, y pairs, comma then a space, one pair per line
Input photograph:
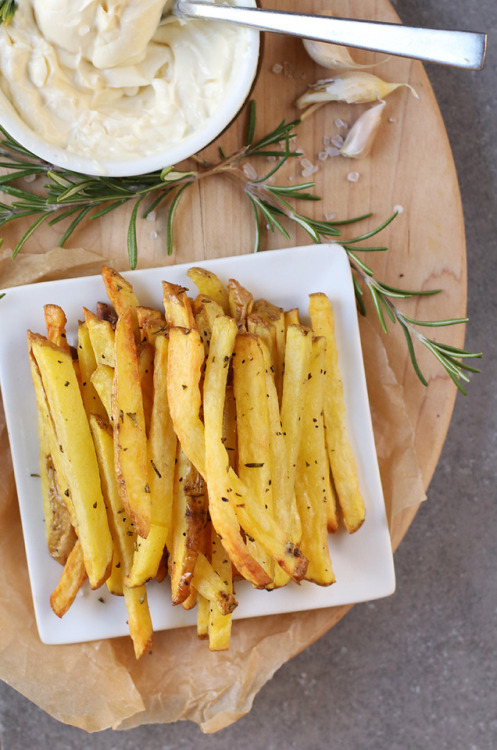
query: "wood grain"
411, 165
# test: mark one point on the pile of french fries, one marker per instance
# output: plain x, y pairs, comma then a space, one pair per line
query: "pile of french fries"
205, 442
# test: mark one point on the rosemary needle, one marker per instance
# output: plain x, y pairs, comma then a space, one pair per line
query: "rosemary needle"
67, 195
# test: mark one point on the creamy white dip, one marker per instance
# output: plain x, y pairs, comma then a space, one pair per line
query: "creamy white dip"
100, 78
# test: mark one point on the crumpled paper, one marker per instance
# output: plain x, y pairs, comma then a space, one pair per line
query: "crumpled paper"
99, 685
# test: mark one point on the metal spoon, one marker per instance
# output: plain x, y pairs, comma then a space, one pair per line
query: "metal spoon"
461, 49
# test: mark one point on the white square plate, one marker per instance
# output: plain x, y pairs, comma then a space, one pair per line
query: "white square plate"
363, 562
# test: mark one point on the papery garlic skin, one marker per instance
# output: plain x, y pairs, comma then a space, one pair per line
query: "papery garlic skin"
352, 87
333, 56
363, 132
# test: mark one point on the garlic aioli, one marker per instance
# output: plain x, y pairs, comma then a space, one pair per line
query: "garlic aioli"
102, 79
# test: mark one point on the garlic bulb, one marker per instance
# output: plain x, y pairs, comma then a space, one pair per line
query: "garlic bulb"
361, 136
353, 87
333, 56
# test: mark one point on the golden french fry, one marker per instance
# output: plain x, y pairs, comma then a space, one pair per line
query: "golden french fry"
188, 524
59, 530
276, 317
253, 434
87, 366
151, 323
177, 306
297, 356
312, 480
49, 450
207, 581
101, 335
266, 332
209, 285
102, 379
184, 371
219, 623
205, 311
203, 615
55, 319
214, 455
343, 466
139, 620
283, 491
121, 294
120, 523
146, 354
78, 456
128, 418
240, 302
162, 444
71, 580
292, 318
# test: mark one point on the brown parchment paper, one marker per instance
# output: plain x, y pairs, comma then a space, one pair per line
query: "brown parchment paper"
99, 685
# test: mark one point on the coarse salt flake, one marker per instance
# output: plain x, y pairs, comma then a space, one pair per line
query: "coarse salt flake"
337, 141
353, 177
151, 216
277, 68
398, 209
249, 171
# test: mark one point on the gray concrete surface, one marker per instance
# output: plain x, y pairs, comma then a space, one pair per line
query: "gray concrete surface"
417, 670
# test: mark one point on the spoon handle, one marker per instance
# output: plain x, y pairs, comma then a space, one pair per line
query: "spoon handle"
462, 49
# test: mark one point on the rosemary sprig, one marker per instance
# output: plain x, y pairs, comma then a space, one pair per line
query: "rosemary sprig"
7, 10
66, 194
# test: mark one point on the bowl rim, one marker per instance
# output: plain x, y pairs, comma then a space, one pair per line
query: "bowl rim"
12, 122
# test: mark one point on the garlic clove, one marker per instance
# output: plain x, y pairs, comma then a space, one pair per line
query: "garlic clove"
353, 87
333, 56
362, 134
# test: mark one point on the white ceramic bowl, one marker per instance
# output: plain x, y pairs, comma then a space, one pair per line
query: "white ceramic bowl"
242, 81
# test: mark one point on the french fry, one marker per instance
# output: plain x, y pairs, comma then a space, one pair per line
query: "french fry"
276, 317
60, 533
253, 434
266, 332
162, 444
207, 581
312, 480
72, 578
292, 318
101, 335
184, 371
139, 620
214, 456
130, 440
209, 285
240, 302
102, 379
150, 323
188, 524
146, 353
297, 356
205, 311
49, 451
78, 456
177, 306
219, 622
56, 321
87, 366
121, 294
343, 466
203, 616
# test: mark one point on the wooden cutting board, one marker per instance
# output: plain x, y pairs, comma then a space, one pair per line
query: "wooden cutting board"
411, 166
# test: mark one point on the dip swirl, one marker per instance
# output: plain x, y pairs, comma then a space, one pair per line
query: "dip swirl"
104, 80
